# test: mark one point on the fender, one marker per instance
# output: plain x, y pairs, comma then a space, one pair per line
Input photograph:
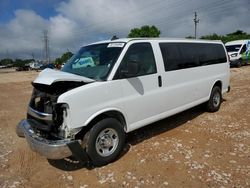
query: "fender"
93, 116
214, 85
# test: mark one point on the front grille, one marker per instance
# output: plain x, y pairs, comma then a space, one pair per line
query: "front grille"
43, 102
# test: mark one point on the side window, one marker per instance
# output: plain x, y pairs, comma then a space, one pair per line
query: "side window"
171, 56
211, 54
187, 55
220, 54
140, 54
179, 55
243, 49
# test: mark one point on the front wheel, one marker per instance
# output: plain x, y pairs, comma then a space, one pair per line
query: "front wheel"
239, 64
105, 141
215, 100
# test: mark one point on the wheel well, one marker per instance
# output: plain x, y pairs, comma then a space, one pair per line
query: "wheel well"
219, 84
109, 114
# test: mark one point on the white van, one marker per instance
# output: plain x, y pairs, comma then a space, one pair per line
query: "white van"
86, 111
239, 52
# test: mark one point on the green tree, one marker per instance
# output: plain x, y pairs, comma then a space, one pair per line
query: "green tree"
237, 35
238, 32
214, 36
144, 31
63, 58
22, 62
6, 61
189, 37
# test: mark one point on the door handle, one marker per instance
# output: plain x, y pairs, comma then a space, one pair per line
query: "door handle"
159, 81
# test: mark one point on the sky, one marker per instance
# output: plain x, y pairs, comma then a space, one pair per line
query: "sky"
74, 23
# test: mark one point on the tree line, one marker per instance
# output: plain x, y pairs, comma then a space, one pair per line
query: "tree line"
237, 35
152, 31
15, 63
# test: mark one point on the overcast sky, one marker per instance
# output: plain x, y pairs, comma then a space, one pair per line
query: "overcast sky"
73, 23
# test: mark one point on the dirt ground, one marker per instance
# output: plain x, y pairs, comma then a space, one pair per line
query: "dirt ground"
191, 149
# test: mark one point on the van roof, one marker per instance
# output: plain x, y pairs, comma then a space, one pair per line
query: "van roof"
126, 40
239, 42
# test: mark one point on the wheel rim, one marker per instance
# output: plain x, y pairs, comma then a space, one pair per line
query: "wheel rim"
106, 142
216, 99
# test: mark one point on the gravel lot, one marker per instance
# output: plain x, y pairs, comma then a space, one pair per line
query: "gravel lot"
191, 149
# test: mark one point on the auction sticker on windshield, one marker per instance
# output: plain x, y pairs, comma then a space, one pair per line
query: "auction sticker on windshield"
116, 45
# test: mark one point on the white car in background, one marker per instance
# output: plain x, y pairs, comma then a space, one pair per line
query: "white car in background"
239, 52
35, 65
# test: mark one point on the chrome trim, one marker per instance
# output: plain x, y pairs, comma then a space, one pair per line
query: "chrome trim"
51, 149
39, 115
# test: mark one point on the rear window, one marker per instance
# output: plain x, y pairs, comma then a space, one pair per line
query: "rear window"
187, 55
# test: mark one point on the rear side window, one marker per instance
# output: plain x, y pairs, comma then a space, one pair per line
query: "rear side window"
187, 55
211, 54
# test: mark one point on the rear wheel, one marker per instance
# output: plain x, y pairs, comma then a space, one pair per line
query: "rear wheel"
215, 100
105, 141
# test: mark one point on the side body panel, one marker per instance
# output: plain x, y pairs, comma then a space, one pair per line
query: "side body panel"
181, 90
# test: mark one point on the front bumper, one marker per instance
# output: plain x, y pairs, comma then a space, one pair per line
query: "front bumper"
51, 149
234, 63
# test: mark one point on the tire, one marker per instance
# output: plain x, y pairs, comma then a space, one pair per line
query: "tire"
105, 141
215, 99
239, 64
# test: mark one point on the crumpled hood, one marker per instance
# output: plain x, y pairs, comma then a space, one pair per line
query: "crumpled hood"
49, 76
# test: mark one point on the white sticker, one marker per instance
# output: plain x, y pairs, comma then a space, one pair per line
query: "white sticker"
116, 45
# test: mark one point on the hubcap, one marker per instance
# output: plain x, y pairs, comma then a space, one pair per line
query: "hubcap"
216, 99
106, 142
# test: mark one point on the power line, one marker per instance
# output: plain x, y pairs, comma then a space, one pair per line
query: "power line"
112, 23
211, 8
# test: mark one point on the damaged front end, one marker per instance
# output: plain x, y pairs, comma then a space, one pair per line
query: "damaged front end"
45, 110
45, 128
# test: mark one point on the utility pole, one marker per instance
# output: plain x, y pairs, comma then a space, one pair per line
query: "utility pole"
32, 55
196, 21
46, 46
7, 54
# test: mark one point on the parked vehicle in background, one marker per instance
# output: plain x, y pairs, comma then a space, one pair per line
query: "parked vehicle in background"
3, 66
62, 65
113, 87
45, 66
239, 52
23, 68
35, 65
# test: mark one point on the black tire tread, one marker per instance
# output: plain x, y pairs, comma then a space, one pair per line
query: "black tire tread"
96, 159
209, 105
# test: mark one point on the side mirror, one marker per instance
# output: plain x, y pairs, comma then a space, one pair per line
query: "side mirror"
131, 70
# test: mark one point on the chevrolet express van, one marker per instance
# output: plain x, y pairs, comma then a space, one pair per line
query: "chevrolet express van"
86, 111
239, 52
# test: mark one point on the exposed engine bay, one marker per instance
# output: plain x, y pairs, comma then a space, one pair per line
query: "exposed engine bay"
46, 114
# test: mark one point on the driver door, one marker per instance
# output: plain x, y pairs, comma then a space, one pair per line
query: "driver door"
140, 88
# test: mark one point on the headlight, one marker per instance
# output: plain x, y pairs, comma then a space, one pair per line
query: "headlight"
234, 55
59, 113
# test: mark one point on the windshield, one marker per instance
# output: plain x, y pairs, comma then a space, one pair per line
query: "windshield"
94, 61
233, 48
